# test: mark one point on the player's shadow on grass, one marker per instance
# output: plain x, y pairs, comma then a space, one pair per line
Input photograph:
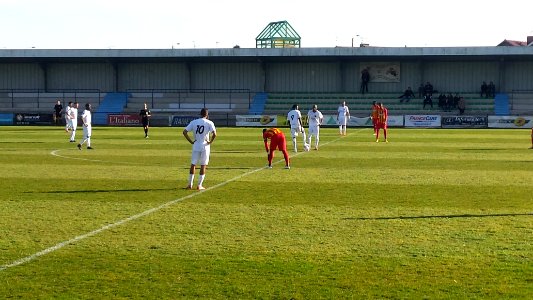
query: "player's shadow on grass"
101, 191
441, 216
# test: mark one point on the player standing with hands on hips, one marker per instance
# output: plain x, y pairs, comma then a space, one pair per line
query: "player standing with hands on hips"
295, 120
204, 133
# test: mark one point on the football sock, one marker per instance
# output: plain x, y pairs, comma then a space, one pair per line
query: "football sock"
201, 180
191, 179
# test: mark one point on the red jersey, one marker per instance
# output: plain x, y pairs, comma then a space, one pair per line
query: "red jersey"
374, 114
277, 139
271, 132
383, 114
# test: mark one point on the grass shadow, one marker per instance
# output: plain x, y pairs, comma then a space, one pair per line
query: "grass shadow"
441, 216
101, 191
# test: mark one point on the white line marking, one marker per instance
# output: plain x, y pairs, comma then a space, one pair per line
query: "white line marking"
126, 220
118, 223
56, 153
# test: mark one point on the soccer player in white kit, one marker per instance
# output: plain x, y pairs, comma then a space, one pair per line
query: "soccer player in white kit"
315, 119
74, 121
204, 134
86, 117
343, 115
295, 120
68, 120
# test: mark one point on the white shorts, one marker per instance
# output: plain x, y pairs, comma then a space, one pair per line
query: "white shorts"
201, 157
73, 124
87, 131
342, 121
68, 123
295, 131
314, 130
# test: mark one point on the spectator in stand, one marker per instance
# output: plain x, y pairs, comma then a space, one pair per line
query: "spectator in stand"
442, 101
365, 78
449, 101
491, 90
407, 95
428, 100
428, 89
461, 105
484, 89
421, 90
456, 100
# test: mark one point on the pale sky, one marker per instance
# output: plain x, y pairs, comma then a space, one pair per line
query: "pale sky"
163, 24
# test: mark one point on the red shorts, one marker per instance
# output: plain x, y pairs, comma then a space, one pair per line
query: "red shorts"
381, 125
278, 142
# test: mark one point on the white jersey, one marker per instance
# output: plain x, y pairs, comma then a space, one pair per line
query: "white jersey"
293, 116
68, 113
201, 128
87, 128
86, 117
343, 111
74, 117
315, 118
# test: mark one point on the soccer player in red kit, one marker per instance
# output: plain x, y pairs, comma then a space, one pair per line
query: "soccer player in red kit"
383, 115
374, 116
277, 141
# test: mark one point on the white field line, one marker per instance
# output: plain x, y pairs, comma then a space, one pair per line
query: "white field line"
56, 153
131, 218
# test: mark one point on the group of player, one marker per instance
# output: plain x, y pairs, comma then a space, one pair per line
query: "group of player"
204, 132
294, 118
71, 121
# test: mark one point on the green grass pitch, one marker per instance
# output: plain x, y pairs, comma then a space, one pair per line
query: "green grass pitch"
434, 214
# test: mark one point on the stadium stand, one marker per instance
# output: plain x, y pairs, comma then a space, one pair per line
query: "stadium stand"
112, 103
14, 101
190, 101
521, 103
258, 104
360, 104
